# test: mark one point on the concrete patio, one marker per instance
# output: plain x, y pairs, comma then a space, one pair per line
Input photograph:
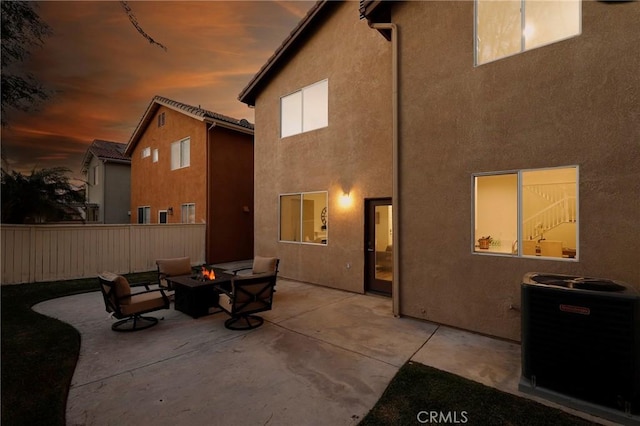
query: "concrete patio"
323, 357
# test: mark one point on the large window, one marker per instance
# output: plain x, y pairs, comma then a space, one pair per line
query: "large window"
527, 213
305, 110
507, 27
180, 154
144, 214
188, 213
304, 217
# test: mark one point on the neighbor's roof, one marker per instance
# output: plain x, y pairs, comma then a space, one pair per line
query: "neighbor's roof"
105, 151
198, 113
293, 40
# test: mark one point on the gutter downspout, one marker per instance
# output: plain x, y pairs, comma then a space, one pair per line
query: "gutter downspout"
209, 223
395, 202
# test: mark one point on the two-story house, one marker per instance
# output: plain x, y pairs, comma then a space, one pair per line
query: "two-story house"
107, 172
501, 141
191, 165
323, 157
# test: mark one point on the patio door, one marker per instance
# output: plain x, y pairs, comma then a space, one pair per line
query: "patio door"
378, 248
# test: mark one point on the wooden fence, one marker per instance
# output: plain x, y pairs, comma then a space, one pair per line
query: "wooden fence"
33, 253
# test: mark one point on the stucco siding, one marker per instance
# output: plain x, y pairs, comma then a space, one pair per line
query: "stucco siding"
117, 197
351, 155
231, 196
95, 193
155, 184
574, 102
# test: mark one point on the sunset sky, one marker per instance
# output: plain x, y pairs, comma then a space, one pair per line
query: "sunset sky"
103, 74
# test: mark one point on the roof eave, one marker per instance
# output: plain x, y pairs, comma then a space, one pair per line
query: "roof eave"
376, 11
248, 94
142, 124
229, 126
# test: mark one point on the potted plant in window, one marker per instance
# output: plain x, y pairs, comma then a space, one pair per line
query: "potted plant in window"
484, 242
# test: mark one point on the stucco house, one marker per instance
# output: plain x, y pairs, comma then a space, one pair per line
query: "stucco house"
107, 173
191, 165
456, 151
323, 155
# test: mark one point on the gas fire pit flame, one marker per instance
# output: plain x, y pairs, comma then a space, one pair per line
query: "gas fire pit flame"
208, 274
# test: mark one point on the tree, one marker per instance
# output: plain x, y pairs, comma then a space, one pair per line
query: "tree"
44, 196
134, 22
22, 29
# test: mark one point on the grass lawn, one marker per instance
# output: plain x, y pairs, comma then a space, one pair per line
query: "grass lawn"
444, 398
39, 355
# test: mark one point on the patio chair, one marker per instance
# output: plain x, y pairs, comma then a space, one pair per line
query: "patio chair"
249, 295
261, 265
170, 268
128, 307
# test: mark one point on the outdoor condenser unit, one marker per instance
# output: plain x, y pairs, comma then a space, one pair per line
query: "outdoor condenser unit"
581, 338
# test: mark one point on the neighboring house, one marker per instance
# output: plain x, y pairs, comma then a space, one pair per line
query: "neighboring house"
190, 165
107, 172
531, 138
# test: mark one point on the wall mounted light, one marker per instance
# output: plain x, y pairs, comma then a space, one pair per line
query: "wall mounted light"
170, 210
345, 200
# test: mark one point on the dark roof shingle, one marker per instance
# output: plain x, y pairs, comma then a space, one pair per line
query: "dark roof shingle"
204, 113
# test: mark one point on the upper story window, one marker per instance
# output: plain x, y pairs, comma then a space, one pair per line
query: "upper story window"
146, 152
180, 154
304, 217
527, 213
506, 27
155, 155
94, 176
305, 110
161, 119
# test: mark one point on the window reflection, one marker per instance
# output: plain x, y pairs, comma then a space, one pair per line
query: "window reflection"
506, 27
304, 217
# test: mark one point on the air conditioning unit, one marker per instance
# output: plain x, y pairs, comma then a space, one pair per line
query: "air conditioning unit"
581, 340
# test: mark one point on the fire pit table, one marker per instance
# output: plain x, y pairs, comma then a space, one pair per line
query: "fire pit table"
196, 295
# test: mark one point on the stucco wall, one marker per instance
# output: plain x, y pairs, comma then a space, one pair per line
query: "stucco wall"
575, 102
117, 197
95, 193
352, 154
155, 184
231, 196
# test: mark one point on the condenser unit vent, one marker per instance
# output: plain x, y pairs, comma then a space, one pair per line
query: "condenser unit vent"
581, 338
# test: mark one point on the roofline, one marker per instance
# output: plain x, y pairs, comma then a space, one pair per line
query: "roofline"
247, 95
87, 156
153, 107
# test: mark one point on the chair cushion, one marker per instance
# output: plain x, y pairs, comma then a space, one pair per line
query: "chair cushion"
173, 267
143, 302
263, 265
121, 286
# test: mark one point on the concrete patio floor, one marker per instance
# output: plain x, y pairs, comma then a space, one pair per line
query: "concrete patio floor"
322, 357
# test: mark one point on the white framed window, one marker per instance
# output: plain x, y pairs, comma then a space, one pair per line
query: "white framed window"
144, 214
180, 153
530, 212
188, 213
146, 152
304, 217
94, 176
507, 27
162, 216
305, 110
155, 155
